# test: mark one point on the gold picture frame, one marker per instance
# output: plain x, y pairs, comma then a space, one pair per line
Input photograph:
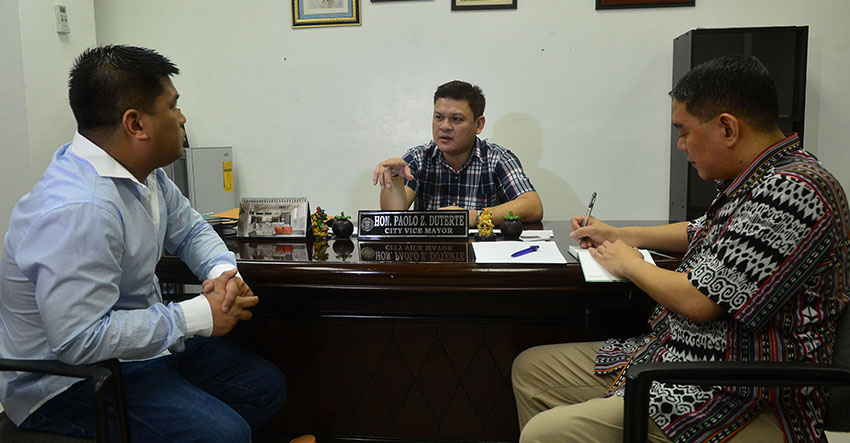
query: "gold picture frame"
323, 13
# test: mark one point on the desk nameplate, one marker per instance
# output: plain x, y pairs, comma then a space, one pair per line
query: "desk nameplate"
414, 252
386, 225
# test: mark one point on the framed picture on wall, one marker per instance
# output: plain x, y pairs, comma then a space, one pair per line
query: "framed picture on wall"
321, 13
620, 4
466, 5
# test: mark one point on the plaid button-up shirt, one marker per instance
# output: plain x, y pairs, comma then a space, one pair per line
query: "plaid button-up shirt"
491, 176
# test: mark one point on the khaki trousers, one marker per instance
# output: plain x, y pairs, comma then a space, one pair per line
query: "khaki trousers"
559, 399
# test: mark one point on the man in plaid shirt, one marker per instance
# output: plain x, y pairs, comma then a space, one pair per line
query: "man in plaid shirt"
457, 170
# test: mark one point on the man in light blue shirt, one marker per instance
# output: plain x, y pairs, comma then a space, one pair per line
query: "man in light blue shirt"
77, 279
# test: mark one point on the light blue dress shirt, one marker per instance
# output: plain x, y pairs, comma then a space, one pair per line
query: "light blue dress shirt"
77, 279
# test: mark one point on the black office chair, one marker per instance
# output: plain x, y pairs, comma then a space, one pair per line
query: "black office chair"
101, 374
640, 377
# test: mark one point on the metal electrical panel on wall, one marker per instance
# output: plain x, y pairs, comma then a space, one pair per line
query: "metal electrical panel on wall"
205, 176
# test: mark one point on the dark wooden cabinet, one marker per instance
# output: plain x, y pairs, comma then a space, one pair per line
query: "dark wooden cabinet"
782, 49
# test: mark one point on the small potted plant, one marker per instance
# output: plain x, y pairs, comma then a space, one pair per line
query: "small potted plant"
511, 226
342, 226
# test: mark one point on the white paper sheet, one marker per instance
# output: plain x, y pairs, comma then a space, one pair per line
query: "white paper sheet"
500, 252
527, 235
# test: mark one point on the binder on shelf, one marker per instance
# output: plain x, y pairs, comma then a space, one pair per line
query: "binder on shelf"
273, 217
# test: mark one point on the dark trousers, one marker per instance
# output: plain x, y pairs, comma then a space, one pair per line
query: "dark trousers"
213, 391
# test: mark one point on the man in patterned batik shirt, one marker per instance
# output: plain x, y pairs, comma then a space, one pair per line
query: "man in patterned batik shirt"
457, 170
762, 278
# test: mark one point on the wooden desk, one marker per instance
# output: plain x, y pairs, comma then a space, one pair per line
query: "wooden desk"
378, 349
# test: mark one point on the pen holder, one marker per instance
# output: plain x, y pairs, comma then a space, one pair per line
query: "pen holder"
511, 228
342, 228
341, 225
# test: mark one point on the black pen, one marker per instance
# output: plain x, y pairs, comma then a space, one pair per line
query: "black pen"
589, 208
527, 250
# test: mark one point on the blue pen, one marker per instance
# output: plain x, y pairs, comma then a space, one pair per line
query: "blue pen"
527, 250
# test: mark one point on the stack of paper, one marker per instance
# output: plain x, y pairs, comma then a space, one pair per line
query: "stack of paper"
593, 271
537, 235
232, 214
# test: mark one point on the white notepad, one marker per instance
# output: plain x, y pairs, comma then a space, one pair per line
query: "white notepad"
500, 252
593, 271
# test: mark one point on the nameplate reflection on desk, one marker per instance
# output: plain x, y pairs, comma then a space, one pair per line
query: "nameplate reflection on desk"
416, 252
273, 251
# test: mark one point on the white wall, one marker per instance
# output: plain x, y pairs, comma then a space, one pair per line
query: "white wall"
828, 84
13, 109
35, 118
47, 59
580, 95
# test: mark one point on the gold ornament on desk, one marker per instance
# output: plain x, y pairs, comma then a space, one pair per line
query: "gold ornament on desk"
485, 226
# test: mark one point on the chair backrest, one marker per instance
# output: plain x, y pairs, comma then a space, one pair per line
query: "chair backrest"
838, 408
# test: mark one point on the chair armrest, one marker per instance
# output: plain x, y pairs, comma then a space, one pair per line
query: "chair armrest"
97, 374
101, 374
639, 378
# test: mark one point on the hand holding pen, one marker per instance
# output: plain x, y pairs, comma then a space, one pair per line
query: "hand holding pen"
584, 241
589, 209
590, 234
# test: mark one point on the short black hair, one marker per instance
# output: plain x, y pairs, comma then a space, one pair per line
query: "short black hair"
740, 85
107, 80
459, 90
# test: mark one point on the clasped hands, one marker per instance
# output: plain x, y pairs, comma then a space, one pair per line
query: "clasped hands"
230, 299
605, 244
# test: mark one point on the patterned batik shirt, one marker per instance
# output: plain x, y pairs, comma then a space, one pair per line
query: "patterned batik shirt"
492, 175
772, 251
